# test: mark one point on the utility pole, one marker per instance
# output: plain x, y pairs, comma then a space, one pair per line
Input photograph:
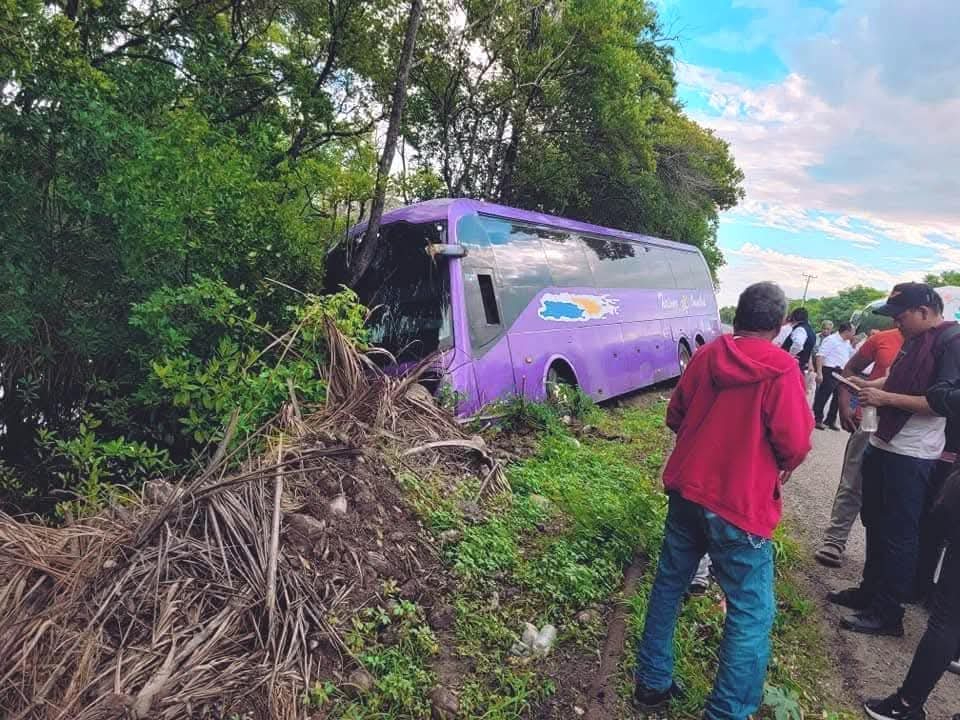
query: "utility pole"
809, 277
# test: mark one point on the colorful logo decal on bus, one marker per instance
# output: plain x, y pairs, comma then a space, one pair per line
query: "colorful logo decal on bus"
566, 307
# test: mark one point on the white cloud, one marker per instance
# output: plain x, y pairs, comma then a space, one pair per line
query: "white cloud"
875, 156
752, 263
860, 142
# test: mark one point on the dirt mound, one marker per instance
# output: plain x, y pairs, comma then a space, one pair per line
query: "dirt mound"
227, 593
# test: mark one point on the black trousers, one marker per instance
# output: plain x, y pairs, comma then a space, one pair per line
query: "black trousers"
931, 541
894, 497
826, 391
938, 646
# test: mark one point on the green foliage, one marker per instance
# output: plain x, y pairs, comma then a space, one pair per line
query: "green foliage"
319, 695
569, 571
784, 703
486, 549
727, 314
400, 664
203, 351
948, 277
840, 307
582, 120
99, 472
156, 182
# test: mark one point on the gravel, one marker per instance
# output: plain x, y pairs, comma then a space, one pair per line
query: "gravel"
870, 667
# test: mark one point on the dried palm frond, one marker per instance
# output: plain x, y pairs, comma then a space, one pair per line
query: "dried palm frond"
197, 601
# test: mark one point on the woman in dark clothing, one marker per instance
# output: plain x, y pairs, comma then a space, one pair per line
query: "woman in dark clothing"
938, 646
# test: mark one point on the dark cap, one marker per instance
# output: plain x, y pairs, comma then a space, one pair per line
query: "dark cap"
907, 296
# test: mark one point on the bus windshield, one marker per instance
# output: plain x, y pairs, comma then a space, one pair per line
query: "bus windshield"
406, 291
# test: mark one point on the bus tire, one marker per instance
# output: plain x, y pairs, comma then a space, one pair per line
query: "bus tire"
684, 354
559, 376
700, 341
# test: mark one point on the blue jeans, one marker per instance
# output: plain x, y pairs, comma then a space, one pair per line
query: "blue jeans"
743, 565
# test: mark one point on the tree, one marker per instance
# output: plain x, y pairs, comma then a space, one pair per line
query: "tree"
727, 313
571, 109
840, 307
371, 241
165, 158
146, 146
949, 277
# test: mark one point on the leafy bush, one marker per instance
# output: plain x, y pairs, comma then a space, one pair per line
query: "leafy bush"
97, 472
200, 354
206, 355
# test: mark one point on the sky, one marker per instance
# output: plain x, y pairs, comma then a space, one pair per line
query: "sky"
845, 117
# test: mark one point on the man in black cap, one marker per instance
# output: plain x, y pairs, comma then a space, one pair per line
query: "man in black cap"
900, 457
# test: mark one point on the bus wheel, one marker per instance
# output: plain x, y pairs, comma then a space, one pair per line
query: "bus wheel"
684, 353
560, 384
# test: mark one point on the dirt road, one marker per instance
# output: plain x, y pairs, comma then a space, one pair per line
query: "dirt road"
870, 666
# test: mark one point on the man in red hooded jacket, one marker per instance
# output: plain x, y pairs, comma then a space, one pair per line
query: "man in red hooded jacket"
743, 424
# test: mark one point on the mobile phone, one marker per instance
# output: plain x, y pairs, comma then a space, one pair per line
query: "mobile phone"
846, 382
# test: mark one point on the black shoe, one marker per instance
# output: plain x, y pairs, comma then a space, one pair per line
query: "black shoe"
853, 598
646, 699
834, 426
821, 426
892, 708
697, 589
869, 624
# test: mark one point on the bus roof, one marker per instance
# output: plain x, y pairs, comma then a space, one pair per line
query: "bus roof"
445, 208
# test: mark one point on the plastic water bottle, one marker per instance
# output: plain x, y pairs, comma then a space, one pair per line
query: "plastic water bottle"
868, 423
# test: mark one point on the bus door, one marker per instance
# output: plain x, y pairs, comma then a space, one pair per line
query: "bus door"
492, 368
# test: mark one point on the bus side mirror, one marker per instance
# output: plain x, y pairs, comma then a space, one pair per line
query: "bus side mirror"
445, 250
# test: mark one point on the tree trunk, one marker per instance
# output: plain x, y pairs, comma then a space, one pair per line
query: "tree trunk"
518, 120
506, 192
369, 246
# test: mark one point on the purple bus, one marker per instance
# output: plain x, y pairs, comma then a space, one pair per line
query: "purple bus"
513, 302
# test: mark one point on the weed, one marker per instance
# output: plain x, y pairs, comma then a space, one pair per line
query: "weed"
319, 695
400, 666
486, 549
784, 703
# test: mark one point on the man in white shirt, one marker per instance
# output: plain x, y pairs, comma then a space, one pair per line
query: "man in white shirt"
831, 358
826, 330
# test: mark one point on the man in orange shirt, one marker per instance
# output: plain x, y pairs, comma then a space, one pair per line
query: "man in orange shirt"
879, 351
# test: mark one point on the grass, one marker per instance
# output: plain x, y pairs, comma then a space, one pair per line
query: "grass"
579, 510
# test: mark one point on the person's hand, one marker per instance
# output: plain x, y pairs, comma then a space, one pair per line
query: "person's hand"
857, 380
819, 378
873, 396
848, 421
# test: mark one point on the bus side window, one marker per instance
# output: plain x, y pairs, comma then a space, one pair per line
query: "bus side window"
702, 276
612, 262
489, 298
521, 265
690, 270
655, 272
566, 259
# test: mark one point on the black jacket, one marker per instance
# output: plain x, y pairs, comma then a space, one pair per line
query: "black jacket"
803, 357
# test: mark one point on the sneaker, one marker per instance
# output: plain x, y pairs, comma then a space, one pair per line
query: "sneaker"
697, 588
954, 667
867, 623
646, 699
892, 708
821, 426
834, 426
